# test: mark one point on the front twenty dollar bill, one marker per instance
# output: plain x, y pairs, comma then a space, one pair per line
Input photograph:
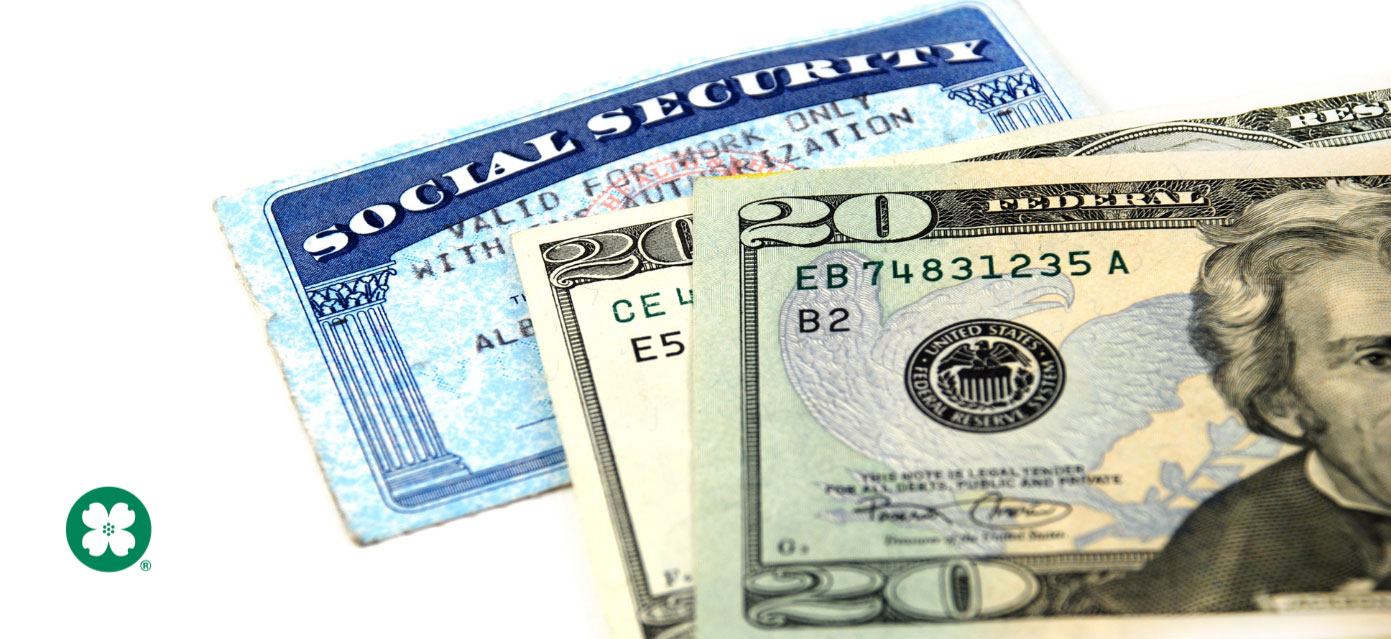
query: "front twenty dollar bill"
616, 339
393, 301
1121, 396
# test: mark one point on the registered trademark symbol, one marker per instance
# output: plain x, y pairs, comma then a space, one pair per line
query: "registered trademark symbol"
145, 565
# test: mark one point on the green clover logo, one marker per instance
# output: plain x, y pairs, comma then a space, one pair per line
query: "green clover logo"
108, 529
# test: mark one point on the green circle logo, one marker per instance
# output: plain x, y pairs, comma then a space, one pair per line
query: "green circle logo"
108, 529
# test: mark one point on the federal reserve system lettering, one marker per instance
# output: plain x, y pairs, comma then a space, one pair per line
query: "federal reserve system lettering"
1143, 394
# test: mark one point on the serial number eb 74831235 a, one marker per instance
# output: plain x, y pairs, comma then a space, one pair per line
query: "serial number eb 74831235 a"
962, 268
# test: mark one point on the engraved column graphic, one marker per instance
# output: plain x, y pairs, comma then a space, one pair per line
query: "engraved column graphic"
1013, 99
383, 401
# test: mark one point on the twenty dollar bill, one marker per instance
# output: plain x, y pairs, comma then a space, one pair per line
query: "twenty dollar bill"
1349, 112
612, 302
1082, 396
616, 342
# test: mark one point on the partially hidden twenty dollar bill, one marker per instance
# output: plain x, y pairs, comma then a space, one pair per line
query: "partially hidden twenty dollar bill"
1135, 395
393, 301
611, 300
1348, 112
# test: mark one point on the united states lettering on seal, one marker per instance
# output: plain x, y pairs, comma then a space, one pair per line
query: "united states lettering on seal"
1123, 396
390, 282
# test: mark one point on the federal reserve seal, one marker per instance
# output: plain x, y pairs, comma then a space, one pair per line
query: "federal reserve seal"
984, 376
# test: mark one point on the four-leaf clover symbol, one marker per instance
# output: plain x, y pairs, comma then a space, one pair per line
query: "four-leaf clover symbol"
108, 529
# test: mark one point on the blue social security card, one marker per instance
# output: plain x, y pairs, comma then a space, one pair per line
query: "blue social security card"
396, 309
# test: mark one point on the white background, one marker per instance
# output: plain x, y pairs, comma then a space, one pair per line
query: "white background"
133, 357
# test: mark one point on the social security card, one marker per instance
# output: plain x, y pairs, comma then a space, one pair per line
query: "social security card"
395, 307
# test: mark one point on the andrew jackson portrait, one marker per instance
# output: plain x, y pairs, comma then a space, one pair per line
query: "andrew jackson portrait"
1293, 310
